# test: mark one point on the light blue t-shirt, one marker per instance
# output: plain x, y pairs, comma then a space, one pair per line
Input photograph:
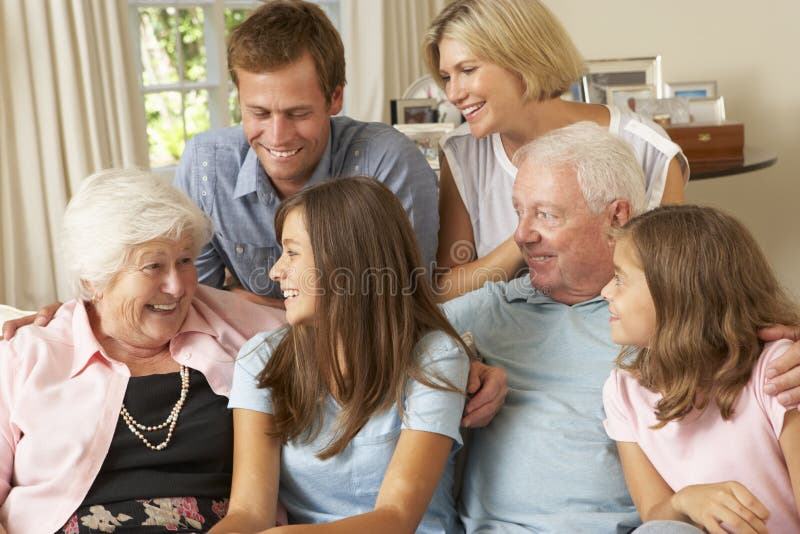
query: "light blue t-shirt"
320, 491
223, 176
545, 462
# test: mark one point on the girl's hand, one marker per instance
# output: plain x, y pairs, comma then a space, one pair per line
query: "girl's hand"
709, 505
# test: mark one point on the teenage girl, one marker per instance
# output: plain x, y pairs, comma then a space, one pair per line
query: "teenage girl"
352, 412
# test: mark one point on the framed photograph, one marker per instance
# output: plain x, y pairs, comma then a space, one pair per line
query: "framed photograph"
624, 96
607, 73
426, 136
709, 110
414, 111
690, 89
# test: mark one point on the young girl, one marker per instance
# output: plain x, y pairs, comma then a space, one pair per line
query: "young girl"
699, 439
505, 64
357, 403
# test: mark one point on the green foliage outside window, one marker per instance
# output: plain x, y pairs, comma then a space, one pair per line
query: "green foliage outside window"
175, 115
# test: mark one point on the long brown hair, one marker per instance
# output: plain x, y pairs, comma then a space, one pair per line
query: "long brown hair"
375, 300
712, 289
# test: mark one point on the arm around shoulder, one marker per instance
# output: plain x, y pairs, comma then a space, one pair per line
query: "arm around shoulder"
460, 270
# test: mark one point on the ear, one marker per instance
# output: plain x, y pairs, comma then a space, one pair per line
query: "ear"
337, 100
620, 212
96, 295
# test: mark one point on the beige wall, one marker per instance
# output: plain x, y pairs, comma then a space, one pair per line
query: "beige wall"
750, 48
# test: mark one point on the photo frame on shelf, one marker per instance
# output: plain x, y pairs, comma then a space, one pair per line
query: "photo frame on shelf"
414, 110
690, 89
707, 110
624, 96
426, 136
607, 73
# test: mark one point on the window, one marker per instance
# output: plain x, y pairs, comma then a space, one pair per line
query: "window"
183, 73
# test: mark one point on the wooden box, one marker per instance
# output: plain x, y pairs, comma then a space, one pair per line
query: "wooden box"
706, 144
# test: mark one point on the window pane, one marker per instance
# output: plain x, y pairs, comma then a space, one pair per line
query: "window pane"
164, 128
234, 17
196, 108
190, 25
157, 33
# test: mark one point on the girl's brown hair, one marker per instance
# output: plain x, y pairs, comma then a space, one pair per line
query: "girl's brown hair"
712, 289
374, 301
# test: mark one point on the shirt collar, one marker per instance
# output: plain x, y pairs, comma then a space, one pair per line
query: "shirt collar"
252, 173
521, 289
86, 346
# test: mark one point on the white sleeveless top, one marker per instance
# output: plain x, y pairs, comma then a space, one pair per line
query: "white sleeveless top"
484, 175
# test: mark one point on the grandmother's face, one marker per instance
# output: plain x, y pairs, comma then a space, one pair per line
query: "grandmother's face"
148, 299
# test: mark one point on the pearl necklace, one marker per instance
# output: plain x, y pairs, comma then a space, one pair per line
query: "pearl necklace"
136, 427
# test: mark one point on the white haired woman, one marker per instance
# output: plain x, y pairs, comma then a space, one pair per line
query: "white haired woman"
114, 417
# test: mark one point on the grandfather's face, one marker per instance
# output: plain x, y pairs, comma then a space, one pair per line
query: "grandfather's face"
565, 244
147, 301
286, 120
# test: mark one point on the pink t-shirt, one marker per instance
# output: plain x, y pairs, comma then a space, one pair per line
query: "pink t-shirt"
705, 449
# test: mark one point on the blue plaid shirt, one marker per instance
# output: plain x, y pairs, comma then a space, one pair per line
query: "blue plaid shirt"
223, 176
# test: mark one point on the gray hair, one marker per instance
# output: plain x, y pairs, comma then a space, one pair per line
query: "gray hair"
114, 211
604, 164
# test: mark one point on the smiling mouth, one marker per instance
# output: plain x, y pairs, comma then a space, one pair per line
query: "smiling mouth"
283, 154
161, 307
471, 110
290, 293
533, 258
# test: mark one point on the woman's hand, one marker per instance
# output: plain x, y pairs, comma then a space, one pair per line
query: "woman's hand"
710, 505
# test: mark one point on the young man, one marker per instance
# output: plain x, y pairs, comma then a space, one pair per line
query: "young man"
287, 61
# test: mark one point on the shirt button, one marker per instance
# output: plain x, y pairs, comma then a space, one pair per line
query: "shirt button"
356, 153
203, 193
204, 164
204, 178
239, 250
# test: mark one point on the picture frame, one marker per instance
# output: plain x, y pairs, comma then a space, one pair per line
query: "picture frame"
426, 136
707, 110
707, 89
603, 74
624, 96
414, 110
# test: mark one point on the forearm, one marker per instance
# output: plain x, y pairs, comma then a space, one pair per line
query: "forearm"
664, 510
500, 265
386, 520
235, 521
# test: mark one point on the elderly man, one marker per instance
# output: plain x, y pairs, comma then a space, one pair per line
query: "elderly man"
287, 61
545, 463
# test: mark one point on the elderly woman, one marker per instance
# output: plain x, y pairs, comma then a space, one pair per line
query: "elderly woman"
114, 416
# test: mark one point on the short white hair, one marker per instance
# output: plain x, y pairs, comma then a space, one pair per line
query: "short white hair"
603, 163
115, 211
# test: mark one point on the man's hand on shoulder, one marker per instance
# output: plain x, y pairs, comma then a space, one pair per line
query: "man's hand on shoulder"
783, 374
40, 318
487, 387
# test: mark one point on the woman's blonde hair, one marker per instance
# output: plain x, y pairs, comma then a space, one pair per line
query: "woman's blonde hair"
521, 36
374, 298
712, 289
